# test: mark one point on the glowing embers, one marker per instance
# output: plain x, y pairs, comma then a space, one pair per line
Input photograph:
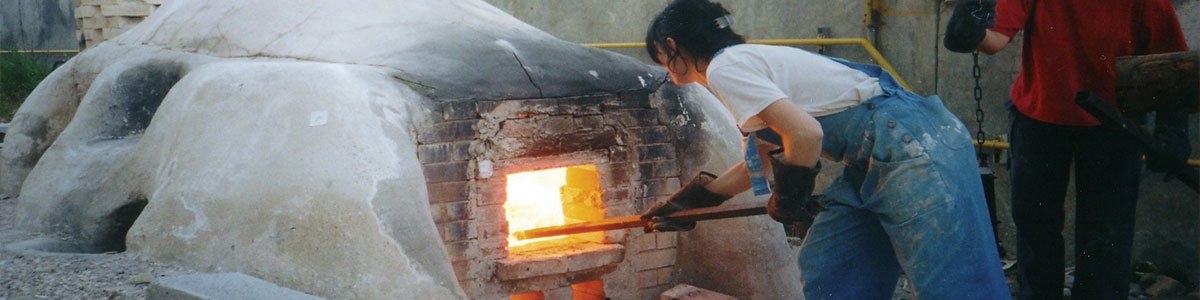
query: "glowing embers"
551, 197
590, 290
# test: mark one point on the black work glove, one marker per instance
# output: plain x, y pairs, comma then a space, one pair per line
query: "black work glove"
968, 25
1171, 130
791, 201
692, 195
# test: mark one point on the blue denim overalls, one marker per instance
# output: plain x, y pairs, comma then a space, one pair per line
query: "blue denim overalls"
909, 199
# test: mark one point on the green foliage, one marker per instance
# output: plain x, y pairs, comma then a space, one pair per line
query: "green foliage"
19, 75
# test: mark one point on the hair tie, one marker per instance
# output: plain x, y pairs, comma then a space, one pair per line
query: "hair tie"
724, 21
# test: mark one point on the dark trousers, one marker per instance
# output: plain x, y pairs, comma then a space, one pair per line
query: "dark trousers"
1106, 166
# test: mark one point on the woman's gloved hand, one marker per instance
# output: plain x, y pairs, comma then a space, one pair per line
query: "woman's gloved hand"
692, 195
968, 25
793, 192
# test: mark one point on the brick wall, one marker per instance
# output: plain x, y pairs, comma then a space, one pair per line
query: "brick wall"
101, 20
471, 146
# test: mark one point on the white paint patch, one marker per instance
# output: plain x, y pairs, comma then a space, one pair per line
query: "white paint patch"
681, 120
486, 170
318, 118
956, 127
915, 149
594, 73
642, 80
506, 45
189, 232
929, 142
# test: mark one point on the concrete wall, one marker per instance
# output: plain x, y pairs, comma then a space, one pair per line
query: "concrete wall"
909, 37
37, 25
627, 21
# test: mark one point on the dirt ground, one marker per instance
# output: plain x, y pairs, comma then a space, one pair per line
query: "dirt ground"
43, 275
28, 274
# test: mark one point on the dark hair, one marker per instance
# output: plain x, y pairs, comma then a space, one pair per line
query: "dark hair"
694, 26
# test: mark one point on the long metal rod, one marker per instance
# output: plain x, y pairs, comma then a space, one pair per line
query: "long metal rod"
866, 45
691, 215
1110, 117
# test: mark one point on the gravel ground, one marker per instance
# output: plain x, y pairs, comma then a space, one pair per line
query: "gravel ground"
32, 274
26, 274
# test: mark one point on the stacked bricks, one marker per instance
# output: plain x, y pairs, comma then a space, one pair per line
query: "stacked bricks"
655, 263
472, 145
101, 20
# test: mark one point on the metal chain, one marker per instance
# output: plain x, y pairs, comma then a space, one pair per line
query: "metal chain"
977, 72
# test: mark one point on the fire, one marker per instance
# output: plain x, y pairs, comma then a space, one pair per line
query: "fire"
534, 200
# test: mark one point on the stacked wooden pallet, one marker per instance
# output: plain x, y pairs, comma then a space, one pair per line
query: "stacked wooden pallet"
101, 20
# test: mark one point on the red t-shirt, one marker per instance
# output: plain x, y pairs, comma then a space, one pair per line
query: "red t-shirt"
1070, 46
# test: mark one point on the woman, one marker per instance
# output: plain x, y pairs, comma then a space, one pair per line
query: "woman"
910, 198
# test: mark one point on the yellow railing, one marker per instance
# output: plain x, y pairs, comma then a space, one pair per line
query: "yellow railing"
39, 51
994, 144
1000, 144
874, 53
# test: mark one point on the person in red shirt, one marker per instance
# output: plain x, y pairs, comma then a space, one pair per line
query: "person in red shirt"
1069, 47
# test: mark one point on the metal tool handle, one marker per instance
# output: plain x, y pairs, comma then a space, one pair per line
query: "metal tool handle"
1110, 117
635, 221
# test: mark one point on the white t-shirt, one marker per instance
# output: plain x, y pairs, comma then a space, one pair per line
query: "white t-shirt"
747, 78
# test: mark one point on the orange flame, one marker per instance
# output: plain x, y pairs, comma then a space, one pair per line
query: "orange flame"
534, 200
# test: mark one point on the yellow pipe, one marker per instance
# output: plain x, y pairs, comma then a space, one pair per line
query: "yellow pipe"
39, 51
993, 144
874, 53
1000, 144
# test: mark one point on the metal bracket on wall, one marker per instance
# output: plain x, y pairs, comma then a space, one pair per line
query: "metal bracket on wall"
871, 12
823, 33
871, 20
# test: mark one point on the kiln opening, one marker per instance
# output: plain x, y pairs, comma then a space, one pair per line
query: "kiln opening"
552, 197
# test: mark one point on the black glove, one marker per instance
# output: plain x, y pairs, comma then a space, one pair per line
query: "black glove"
1171, 130
790, 203
968, 25
692, 195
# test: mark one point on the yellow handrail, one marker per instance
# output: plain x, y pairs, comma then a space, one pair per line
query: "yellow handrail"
994, 144
1001, 144
39, 51
874, 53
